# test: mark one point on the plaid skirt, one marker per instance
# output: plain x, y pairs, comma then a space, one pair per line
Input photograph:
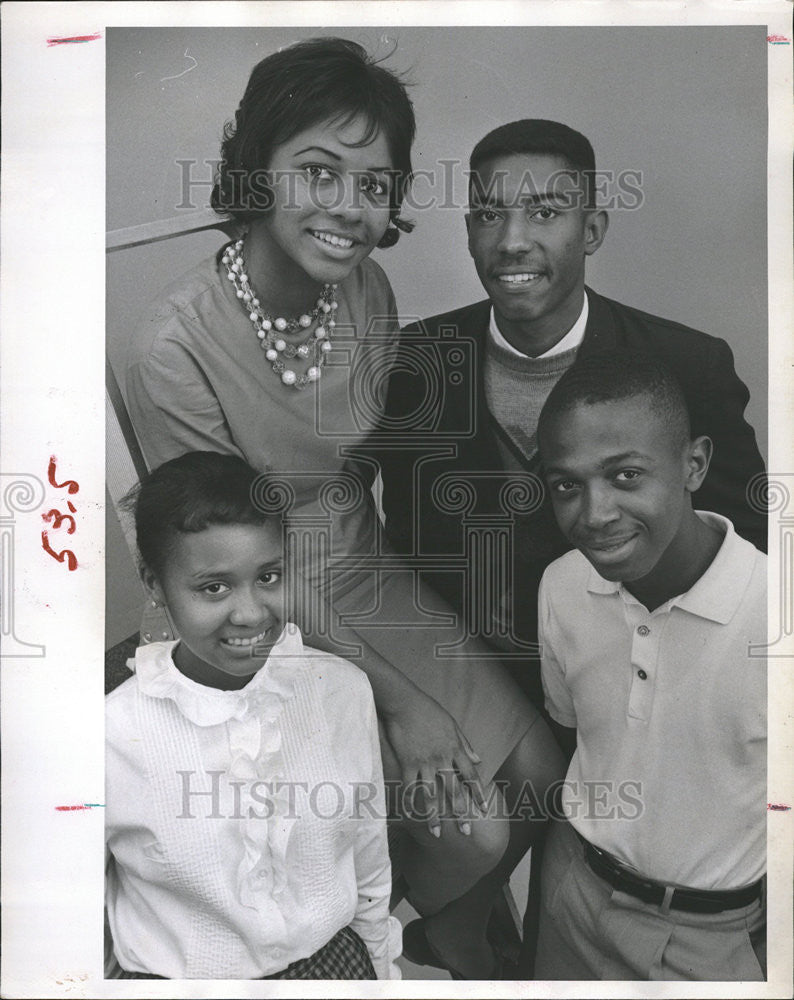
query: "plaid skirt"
344, 957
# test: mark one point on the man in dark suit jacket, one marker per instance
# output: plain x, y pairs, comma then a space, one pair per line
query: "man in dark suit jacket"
468, 386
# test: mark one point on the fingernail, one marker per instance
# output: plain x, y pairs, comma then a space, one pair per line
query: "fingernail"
436, 831
465, 829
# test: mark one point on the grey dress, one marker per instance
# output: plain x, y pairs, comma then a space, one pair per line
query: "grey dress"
197, 380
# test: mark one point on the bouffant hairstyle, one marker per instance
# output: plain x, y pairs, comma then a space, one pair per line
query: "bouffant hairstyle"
315, 81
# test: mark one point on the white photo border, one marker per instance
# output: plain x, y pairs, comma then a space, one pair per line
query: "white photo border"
52, 352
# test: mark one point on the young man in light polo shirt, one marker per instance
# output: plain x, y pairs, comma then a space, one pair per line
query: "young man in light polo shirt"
658, 870
465, 393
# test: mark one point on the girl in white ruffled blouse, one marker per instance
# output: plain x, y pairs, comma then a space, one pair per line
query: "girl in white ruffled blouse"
245, 816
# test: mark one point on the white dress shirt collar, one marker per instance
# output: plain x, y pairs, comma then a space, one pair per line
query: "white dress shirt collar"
572, 338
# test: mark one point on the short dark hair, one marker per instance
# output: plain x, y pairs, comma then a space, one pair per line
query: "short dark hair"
609, 377
317, 80
540, 137
188, 494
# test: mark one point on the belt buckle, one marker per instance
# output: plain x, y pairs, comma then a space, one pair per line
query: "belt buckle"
630, 882
665, 896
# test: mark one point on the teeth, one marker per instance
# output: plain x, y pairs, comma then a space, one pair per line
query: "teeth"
335, 241
246, 642
610, 546
515, 279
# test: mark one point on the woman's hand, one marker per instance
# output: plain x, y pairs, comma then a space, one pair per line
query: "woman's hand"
436, 762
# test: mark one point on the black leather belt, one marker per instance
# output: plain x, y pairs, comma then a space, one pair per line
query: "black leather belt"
692, 900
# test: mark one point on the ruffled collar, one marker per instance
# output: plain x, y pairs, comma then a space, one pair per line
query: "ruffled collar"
158, 677
253, 716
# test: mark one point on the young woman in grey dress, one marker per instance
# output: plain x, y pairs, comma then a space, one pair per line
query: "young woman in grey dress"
315, 168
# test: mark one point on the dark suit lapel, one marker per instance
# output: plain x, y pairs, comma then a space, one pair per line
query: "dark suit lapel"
600, 333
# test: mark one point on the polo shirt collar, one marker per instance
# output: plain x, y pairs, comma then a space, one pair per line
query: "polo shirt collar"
718, 593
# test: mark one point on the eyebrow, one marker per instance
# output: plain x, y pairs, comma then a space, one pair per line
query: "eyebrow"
335, 156
609, 460
319, 149
273, 564
213, 572
625, 455
543, 197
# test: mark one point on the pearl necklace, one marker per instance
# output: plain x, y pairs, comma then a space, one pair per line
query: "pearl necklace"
269, 327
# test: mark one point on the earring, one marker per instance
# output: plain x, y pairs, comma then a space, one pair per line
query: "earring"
392, 234
389, 238
155, 604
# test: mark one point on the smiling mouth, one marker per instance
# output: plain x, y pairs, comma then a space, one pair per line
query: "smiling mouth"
609, 546
252, 641
523, 278
331, 239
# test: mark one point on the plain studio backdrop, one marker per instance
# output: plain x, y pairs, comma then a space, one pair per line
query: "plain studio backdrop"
684, 108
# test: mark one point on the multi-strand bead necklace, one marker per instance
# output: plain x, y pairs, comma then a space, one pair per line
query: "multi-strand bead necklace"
269, 329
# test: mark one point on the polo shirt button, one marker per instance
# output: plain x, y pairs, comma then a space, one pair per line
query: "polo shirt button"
642, 675
643, 630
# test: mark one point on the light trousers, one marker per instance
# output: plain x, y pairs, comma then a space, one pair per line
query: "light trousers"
590, 931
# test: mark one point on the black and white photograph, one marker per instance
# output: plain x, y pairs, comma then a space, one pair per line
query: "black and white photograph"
416, 603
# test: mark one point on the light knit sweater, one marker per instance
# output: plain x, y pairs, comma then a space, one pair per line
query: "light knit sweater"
516, 387
245, 828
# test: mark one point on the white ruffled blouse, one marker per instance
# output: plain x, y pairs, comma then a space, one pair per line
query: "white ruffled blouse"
245, 828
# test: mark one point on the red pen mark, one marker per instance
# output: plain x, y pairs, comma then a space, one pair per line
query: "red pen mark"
73, 38
777, 807
56, 518
777, 39
70, 484
67, 554
85, 805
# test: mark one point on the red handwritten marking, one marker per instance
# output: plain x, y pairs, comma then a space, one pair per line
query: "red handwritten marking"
67, 554
86, 805
777, 808
59, 518
777, 39
70, 484
73, 38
